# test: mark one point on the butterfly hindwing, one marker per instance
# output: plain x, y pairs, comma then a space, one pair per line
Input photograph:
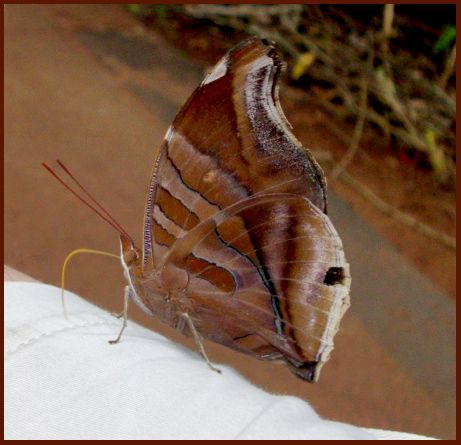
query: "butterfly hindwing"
266, 276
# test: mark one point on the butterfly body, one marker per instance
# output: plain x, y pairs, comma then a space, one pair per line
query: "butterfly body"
235, 234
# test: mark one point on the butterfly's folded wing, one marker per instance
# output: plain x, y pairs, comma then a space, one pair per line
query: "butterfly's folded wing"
231, 144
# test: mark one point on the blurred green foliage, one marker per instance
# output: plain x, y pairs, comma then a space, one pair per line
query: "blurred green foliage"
446, 39
134, 9
160, 10
139, 10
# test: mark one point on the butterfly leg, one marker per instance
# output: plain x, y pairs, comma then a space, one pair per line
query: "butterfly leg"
124, 314
121, 314
198, 341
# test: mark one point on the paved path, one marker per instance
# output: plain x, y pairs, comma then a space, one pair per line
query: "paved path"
88, 85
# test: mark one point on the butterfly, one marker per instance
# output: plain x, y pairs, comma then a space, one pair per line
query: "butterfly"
237, 246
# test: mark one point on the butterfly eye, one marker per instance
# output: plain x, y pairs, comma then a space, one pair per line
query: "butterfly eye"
334, 275
130, 257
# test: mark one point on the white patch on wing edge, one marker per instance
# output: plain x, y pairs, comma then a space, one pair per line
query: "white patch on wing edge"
169, 133
219, 71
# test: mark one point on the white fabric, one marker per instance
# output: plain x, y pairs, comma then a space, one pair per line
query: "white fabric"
64, 381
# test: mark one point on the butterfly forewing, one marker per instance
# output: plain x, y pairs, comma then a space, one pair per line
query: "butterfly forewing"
229, 141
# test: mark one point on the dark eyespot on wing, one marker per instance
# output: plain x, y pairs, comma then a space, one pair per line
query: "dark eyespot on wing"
334, 275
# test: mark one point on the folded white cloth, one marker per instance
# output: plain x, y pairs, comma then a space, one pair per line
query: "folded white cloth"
64, 381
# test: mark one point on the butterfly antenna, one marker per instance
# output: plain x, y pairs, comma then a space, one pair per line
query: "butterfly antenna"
97, 208
103, 209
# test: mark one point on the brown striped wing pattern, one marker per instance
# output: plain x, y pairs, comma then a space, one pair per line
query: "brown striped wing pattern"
236, 232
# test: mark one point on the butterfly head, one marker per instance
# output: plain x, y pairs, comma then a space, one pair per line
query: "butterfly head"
130, 255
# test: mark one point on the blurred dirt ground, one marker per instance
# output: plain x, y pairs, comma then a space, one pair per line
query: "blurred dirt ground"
89, 85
